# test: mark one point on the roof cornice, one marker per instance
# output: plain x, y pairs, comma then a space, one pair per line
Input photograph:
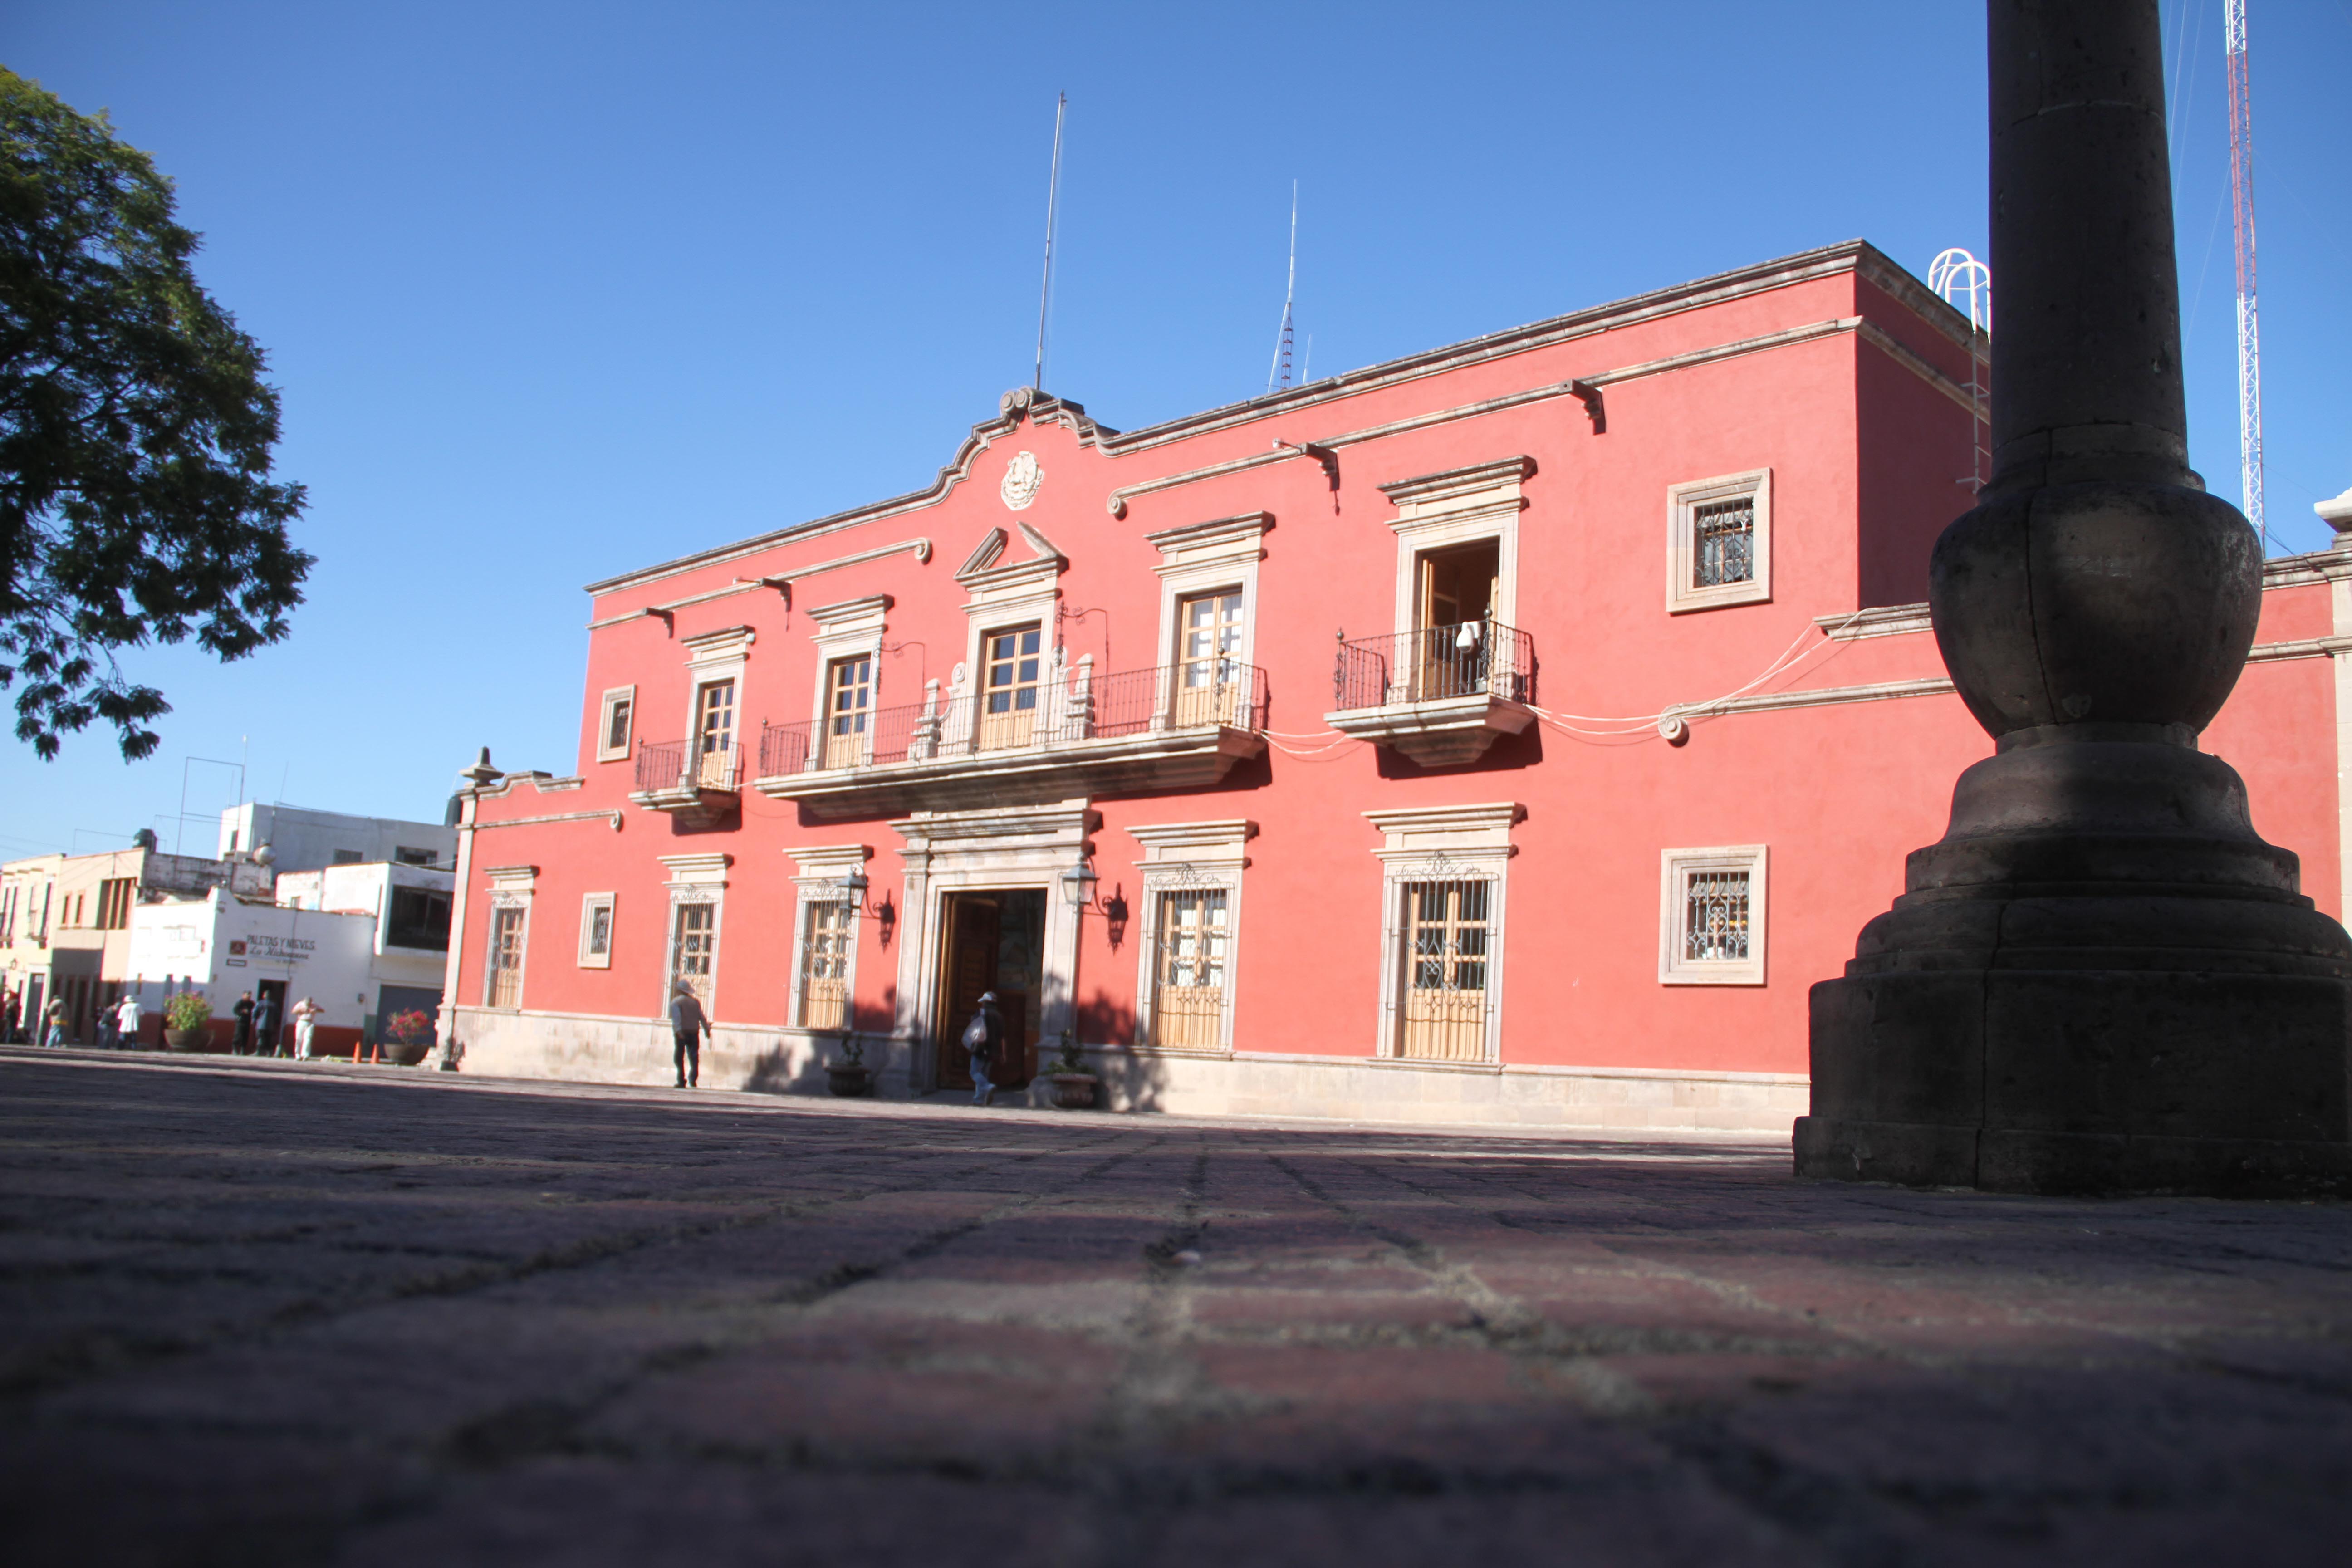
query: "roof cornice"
1853, 256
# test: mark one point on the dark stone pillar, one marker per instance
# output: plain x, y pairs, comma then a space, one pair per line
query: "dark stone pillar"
2101, 979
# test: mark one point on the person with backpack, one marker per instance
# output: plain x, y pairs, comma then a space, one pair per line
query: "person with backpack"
983, 1040
687, 1028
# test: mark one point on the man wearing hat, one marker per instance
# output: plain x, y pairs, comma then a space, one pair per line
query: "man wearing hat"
984, 1037
687, 1027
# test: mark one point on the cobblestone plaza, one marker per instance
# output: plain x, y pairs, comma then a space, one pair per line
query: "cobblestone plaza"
263, 1313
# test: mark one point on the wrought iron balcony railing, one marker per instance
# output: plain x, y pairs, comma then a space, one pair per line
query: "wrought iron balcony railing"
1436, 664
680, 766
1075, 708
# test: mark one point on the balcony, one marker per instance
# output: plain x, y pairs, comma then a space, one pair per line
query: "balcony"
693, 786
1139, 732
1441, 695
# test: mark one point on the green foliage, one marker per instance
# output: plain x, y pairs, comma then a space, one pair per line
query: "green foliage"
1071, 1059
188, 1010
135, 433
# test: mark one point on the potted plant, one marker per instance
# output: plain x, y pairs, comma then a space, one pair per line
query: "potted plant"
850, 1076
1073, 1086
407, 1037
187, 1022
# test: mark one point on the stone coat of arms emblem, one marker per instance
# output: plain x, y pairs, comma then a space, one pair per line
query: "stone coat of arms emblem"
1023, 478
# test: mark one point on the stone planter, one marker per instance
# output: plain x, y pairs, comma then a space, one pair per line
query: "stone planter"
1074, 1091
185, 1039
850, 1082
402, 1053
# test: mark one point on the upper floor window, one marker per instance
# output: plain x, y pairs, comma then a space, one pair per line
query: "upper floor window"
347, 857
615, 714
407, 855
417, 917
1008, 714
1711, 917
848, 708
1719, 541
114, 898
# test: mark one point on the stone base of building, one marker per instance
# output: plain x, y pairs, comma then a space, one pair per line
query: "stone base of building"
588, 1049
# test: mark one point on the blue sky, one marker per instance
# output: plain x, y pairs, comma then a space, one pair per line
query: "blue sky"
556, 291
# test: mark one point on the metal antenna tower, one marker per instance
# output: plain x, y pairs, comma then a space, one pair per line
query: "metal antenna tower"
1053, 210
1280, 376
1966, 284
2242, 218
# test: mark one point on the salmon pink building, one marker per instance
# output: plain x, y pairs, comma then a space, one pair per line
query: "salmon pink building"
1512, 732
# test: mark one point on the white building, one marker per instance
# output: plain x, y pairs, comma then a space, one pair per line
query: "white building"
304, 840
361, 940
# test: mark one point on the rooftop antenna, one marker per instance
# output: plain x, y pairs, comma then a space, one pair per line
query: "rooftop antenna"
1053, 210
1966, 284
1279, 374
2242, 219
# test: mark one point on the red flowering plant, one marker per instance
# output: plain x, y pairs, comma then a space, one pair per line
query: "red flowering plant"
410, 1027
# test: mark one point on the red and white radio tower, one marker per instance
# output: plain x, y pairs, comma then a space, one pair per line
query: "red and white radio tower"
2242, 217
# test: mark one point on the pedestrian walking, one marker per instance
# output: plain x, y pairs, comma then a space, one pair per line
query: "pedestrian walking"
8, 1012
56, 1015
107, 1034
983, 1040
244, 1011
265, 1027
687, 1027
127, 1019
306, 1020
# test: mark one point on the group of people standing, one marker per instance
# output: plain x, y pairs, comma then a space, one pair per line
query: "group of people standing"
258, 1031
119, 1025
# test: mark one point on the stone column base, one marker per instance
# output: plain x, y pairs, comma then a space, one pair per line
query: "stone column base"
2083, 1080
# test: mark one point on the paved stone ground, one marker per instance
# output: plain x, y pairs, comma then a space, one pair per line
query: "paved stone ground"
270, 1313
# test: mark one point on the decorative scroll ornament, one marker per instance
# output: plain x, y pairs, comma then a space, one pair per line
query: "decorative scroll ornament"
1024, 476
1440, 866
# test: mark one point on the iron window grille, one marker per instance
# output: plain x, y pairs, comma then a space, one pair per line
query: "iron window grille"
1711, 923
1723, 540
1446, 964
826, 929
694, 944
1191, 968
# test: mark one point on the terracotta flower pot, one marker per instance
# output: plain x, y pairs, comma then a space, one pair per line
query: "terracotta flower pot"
1074, 1091
403, 1053
849, 1081
185, 1039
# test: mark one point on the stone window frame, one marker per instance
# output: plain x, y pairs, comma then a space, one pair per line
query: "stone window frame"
1460, 506
1683, 500
1005, 596
511, 888
823, 869
1202, 558
1185, 857
853, 628
604, 705
1673, 867
712, 658
1449, 843
589, 904
693, 880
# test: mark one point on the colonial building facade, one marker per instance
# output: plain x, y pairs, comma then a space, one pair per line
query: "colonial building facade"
1511, 732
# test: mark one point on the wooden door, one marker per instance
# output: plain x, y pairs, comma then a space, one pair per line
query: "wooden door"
1207, 676
714, 743
1010, 667
849, 702
1188, 998
1458, 591
1445, 970
970, 926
